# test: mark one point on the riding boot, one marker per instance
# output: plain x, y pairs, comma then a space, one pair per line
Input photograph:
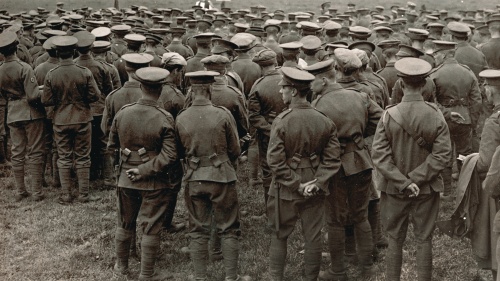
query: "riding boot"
277, 258
424, 260
199, 256
374, 218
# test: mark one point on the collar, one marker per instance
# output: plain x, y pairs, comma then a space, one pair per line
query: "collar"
220, 80
203, 53
348, 79
12, 58
147, 102
389, 64
290, 64
85, 57
201, 102
462, 44
243, 56
412, 97
301, 104
331, 88
67, 62
176, 42
53, 60
132, 84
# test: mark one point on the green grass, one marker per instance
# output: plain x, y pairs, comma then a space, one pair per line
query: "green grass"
48, 241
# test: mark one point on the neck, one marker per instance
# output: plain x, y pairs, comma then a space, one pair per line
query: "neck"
11, 57
417, 44
298, 99
151, 94
495, 35
267, 69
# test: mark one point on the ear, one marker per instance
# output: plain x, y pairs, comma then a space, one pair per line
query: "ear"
325, 81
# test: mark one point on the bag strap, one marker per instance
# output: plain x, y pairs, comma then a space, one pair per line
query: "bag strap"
399, 119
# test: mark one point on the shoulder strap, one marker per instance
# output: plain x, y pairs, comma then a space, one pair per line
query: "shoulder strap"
398, 118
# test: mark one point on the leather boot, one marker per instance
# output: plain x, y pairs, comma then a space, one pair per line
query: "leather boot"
55, 170
199, 256
230, 251
277, 258
312, 260
216, 253
83, 175
66, 183
364, 244
122, 248
350, 245
36, 171
424, 260
19, 181
447, 194
394, 259
150, 245
336, 245
379, 239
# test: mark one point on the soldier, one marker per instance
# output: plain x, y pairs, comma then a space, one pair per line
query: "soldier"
291, 52
227, 49
99, 50
25, 117
118, 45
356, 116
465, 53
144, 134
103, 79
411, 147
347, 63
40, 73
418, 37
490, 48
210, 176
243, 65
134, 45
459, 98
171, 98
152, 41
129, 93
264, 104
204, 45
176, 44
71, 88
303, 154
389, 73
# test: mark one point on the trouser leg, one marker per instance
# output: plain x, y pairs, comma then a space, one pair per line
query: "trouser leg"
150, 244
230, 251
424, 260
277, 258
123, 239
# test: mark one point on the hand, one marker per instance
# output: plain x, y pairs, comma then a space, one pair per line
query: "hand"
133, 174
457, 118
311, 190
303, 186
413, 190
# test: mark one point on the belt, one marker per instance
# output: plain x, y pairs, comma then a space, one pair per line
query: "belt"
206, 161
453, 102
141, 155
299, 162
351, 144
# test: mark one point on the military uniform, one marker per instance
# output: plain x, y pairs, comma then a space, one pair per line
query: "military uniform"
210, 149
389, 73
490, 51
71, 88
264, 104
119, 46
303, 146
248, 71
428, 91
144, 133
172, 99
471, 57
401, 159
178, 47
25, 116
350, 187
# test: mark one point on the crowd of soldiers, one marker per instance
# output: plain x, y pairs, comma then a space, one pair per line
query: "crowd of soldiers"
352, 122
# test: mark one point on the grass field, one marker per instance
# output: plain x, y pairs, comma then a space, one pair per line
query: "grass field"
287, 5
48, 241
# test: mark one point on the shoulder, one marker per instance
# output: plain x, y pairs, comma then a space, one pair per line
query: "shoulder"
164, 112
436, 69
112, 92
222, 108
465, 66
432, 105
283, 114
258, 81
234, 89
125, 108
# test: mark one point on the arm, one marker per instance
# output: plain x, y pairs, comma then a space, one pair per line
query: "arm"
92, 88
475, 101
232, 140
330, 161
382, 157
437, 160
33, 94
490, 139
254, 114
47, 97
168, 152
374, 114
276, 158
397, 92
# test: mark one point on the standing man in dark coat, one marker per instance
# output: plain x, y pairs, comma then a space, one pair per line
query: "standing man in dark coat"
356, 117
410, 149
25, 117
303, 154
490, 48
209, 145
264, 104
71, 89
459, 98
144, 134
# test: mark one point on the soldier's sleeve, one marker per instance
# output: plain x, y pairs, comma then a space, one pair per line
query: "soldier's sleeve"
254, 114
107, 82
33, 94
178, 104
180, 147
374, 115
114, 139
397, 92
47, 97
330, 160
105, 121
383, 160
276, 158
233, 142
475, 101
93, 91
189, 98
437, 160
115, 77
490, 139
168, 152
243, 127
